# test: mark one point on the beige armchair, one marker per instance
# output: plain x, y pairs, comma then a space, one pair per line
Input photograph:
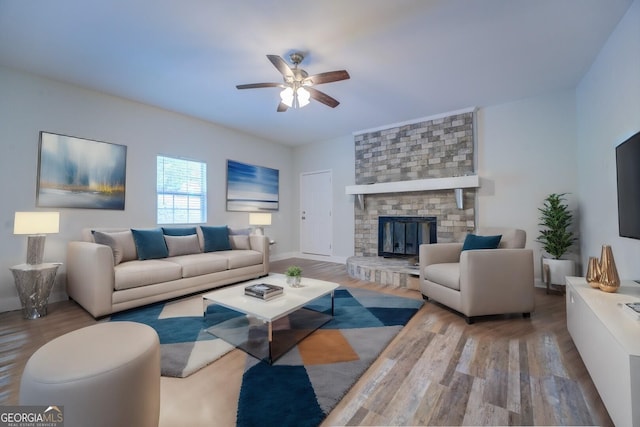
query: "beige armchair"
483, 281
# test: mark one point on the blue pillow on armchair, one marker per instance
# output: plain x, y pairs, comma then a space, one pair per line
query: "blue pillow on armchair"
473, 241
215, 238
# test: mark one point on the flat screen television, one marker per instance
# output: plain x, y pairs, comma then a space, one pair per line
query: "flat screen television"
628, 176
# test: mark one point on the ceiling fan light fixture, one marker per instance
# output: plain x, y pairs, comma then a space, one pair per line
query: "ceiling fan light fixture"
287, 97
303, 96
296, 99
298, 90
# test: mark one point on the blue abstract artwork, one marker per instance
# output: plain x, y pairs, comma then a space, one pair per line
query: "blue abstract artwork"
80, 173
251, 188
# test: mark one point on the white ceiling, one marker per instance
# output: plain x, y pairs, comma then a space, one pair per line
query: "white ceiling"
407, 58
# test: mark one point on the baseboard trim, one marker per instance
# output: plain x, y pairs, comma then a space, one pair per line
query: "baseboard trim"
327, 258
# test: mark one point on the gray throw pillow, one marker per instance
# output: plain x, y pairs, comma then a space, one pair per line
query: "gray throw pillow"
182, 245
239, 242
121, 243
241, 231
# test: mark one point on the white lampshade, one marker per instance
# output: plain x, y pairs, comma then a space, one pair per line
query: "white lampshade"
303, 96
259, 218
296, 99
36, 223
287, 96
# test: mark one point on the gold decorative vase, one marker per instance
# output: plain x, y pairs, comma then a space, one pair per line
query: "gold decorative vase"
609, 279
593, 272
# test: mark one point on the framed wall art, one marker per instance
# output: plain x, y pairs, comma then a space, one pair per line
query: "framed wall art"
80, 173
252, 188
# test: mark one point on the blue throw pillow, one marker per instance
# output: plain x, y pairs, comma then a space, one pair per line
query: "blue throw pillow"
150, 243
179, 231
215, 238
473, 241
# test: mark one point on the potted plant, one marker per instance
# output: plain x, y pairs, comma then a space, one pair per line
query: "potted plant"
556, 237
294, 275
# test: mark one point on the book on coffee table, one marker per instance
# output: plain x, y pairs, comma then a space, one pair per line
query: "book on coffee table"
263, 290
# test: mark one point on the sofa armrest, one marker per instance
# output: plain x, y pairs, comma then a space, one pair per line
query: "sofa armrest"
261, 244
90, 276
494, 281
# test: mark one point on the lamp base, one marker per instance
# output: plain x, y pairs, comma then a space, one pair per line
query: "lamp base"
259, 231
35, 248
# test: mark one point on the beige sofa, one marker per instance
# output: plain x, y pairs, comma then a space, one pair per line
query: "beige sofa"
482, 281
107, 278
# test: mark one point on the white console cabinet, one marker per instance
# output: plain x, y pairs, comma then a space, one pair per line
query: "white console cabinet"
608, 340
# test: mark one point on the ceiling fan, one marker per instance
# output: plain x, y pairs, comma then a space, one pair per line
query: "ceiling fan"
297, 86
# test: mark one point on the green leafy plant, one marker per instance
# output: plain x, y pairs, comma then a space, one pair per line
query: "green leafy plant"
293, 271
555, 218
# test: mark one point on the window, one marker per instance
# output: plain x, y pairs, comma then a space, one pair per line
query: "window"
182, 191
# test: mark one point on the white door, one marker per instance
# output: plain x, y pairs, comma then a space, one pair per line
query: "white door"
315, 213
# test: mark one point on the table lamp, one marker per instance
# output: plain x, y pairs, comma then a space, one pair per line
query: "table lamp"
259, 219
36, 225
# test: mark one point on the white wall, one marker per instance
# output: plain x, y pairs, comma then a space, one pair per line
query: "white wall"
30, 104
608, 109
526, 150
337, 155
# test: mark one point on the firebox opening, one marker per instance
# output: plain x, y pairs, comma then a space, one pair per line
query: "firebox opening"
401, 236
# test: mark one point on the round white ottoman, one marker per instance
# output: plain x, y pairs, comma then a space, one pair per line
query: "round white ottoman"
106, 374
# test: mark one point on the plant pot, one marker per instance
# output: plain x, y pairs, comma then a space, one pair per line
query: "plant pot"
558, 270
294, 281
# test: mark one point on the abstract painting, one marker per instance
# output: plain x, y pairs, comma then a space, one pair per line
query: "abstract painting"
251, 188
80, 173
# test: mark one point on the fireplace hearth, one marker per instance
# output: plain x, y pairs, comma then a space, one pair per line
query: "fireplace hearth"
401, 236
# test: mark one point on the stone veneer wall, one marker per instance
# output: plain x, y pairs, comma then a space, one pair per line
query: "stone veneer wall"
437, 148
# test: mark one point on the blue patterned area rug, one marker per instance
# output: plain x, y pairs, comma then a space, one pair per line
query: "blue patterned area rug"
306, 383
185, 345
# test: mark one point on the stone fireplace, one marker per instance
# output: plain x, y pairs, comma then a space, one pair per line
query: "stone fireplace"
437, 148
434, 149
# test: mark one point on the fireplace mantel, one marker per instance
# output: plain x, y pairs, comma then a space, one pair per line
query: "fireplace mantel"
429, 184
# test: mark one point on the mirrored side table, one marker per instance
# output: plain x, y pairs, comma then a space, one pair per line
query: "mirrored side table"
34, 283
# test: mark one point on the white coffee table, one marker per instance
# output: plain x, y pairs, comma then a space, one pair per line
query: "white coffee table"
268, 329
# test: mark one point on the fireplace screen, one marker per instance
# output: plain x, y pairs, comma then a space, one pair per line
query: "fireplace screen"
401, 236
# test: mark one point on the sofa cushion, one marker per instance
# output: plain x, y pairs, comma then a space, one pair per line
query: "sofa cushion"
150, 243
121, 243
182, 244
178, 231
239, 242
242, 258
473, 241
445, 274
199, 264
215, 238
132, 274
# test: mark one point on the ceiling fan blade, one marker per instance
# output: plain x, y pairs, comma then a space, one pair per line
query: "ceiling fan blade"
282, 107
259, 85
281, 65
322, 97
328, 77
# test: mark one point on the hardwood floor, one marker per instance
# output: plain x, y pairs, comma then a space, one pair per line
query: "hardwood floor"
437, 371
